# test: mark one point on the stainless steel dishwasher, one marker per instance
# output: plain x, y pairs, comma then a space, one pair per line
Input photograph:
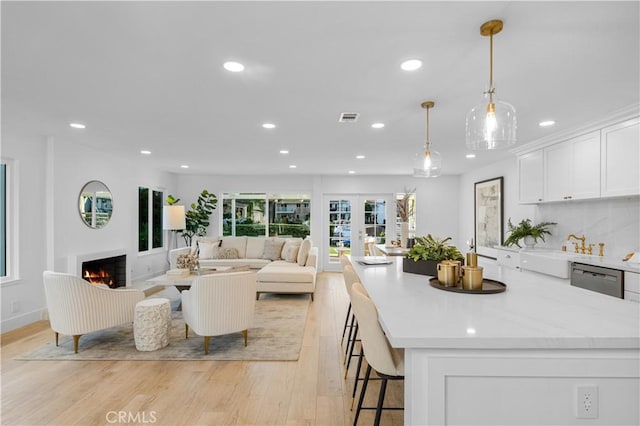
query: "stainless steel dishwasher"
603, 280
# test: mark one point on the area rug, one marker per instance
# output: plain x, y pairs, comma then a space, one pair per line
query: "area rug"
276, 334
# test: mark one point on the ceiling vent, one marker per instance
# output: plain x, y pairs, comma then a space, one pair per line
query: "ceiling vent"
348, 117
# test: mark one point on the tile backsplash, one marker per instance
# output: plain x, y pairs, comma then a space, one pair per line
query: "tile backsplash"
613, 221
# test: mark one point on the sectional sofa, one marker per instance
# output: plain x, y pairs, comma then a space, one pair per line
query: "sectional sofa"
283, 265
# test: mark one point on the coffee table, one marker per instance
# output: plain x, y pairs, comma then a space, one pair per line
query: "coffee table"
184, 282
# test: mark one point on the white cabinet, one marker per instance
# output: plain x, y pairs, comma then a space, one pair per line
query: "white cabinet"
530, 181
621, 158
632, 286
508, 257
572, 169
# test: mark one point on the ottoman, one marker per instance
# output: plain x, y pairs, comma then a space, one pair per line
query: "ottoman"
152, 324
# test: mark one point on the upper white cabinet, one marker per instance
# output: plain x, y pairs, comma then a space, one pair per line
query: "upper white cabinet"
572, 169
530, 172
621, 159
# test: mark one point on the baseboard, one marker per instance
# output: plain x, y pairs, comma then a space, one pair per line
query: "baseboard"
24, 319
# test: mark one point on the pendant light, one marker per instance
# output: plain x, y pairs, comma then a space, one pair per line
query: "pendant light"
492, 124
427, 163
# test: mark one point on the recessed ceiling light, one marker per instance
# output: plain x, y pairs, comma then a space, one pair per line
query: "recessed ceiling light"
352, 172
360, 157
546, 123
233, 66
184, 166
292, 166
470, 156
284, 151
377, 125
145, 152
77, 125
471, 330
411, 64
269, 126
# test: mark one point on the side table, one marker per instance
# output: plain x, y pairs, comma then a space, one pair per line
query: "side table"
152, 324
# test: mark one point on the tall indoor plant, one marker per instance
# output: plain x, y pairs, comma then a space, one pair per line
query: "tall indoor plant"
197, 218
404, 207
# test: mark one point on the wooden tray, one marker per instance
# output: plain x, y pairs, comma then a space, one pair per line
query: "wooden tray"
488, 287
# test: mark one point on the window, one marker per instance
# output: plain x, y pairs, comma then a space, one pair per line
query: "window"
260, 214
150, 234
8, 262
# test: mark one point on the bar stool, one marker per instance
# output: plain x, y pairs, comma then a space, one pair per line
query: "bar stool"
350, 277
387, 362
344, 261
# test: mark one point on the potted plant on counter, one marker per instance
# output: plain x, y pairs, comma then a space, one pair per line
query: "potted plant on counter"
528, 232
426, 252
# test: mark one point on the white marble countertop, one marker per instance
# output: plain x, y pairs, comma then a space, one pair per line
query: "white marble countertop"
535, 312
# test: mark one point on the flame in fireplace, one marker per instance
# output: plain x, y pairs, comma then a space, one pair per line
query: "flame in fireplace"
98, 277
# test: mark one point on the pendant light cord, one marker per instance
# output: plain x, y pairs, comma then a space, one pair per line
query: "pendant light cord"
428, 142
491, 90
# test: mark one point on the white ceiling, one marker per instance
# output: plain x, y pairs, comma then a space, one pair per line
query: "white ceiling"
148, 75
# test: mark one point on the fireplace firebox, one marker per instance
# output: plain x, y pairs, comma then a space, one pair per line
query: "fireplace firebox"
111, 271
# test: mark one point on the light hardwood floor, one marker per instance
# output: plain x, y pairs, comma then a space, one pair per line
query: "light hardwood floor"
310, 391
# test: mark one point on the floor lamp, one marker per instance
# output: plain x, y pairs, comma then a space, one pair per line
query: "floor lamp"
173, 219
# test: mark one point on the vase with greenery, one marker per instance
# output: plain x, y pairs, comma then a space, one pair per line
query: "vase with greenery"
427, 251
526, 231
197, 218
404, 208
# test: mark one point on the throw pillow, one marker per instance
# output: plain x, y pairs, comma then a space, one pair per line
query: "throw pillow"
303, 253
225, 253
186, 261
272, 248
290, 250
206, 249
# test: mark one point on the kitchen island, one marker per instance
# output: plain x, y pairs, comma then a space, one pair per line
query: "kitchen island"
518, 357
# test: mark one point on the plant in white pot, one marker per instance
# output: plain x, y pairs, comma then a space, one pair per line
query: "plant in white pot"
527, 232
404, 207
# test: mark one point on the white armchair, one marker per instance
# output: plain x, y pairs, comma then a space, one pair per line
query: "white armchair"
77, 307
220, 304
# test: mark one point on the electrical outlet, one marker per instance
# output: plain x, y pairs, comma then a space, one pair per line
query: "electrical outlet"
586, 402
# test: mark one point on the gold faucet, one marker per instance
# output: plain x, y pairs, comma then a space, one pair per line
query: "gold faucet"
601, 252
581, 239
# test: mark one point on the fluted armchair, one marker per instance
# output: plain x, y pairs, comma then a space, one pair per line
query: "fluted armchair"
77, 307
220, 304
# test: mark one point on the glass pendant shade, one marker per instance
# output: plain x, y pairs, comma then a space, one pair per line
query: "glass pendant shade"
427, 164
491, 125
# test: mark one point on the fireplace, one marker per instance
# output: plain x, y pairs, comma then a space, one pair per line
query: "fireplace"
111, 271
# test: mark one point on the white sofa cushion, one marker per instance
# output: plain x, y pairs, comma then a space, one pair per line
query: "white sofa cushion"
290, 249
303, 253
206, 249
273, 248
255, 247
238, 243
280, 271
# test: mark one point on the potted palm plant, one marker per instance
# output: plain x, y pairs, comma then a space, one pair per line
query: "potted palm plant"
427, 252
527, 232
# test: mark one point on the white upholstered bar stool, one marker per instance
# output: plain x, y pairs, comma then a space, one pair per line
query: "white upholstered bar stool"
152, 324
388, 362
350, 277
345, 261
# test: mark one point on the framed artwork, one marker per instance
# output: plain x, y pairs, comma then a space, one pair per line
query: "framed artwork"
488, 212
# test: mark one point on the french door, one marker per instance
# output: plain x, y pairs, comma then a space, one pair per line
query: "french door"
351, 220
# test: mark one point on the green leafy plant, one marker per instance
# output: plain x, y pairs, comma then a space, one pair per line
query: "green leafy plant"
433, 248
197, 218
526, 229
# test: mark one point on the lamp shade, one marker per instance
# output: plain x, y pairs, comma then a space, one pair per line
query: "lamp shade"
427, 164
491, 125
173, 218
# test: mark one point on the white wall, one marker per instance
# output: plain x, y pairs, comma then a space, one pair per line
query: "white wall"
48, 211
432, 217
26, 294
508, 170
613, 221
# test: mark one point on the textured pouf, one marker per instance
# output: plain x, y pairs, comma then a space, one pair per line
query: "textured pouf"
151, 324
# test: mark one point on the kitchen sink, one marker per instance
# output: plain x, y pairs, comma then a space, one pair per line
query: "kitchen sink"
551, 262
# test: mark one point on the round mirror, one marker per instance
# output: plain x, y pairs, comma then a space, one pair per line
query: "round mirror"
95, 204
